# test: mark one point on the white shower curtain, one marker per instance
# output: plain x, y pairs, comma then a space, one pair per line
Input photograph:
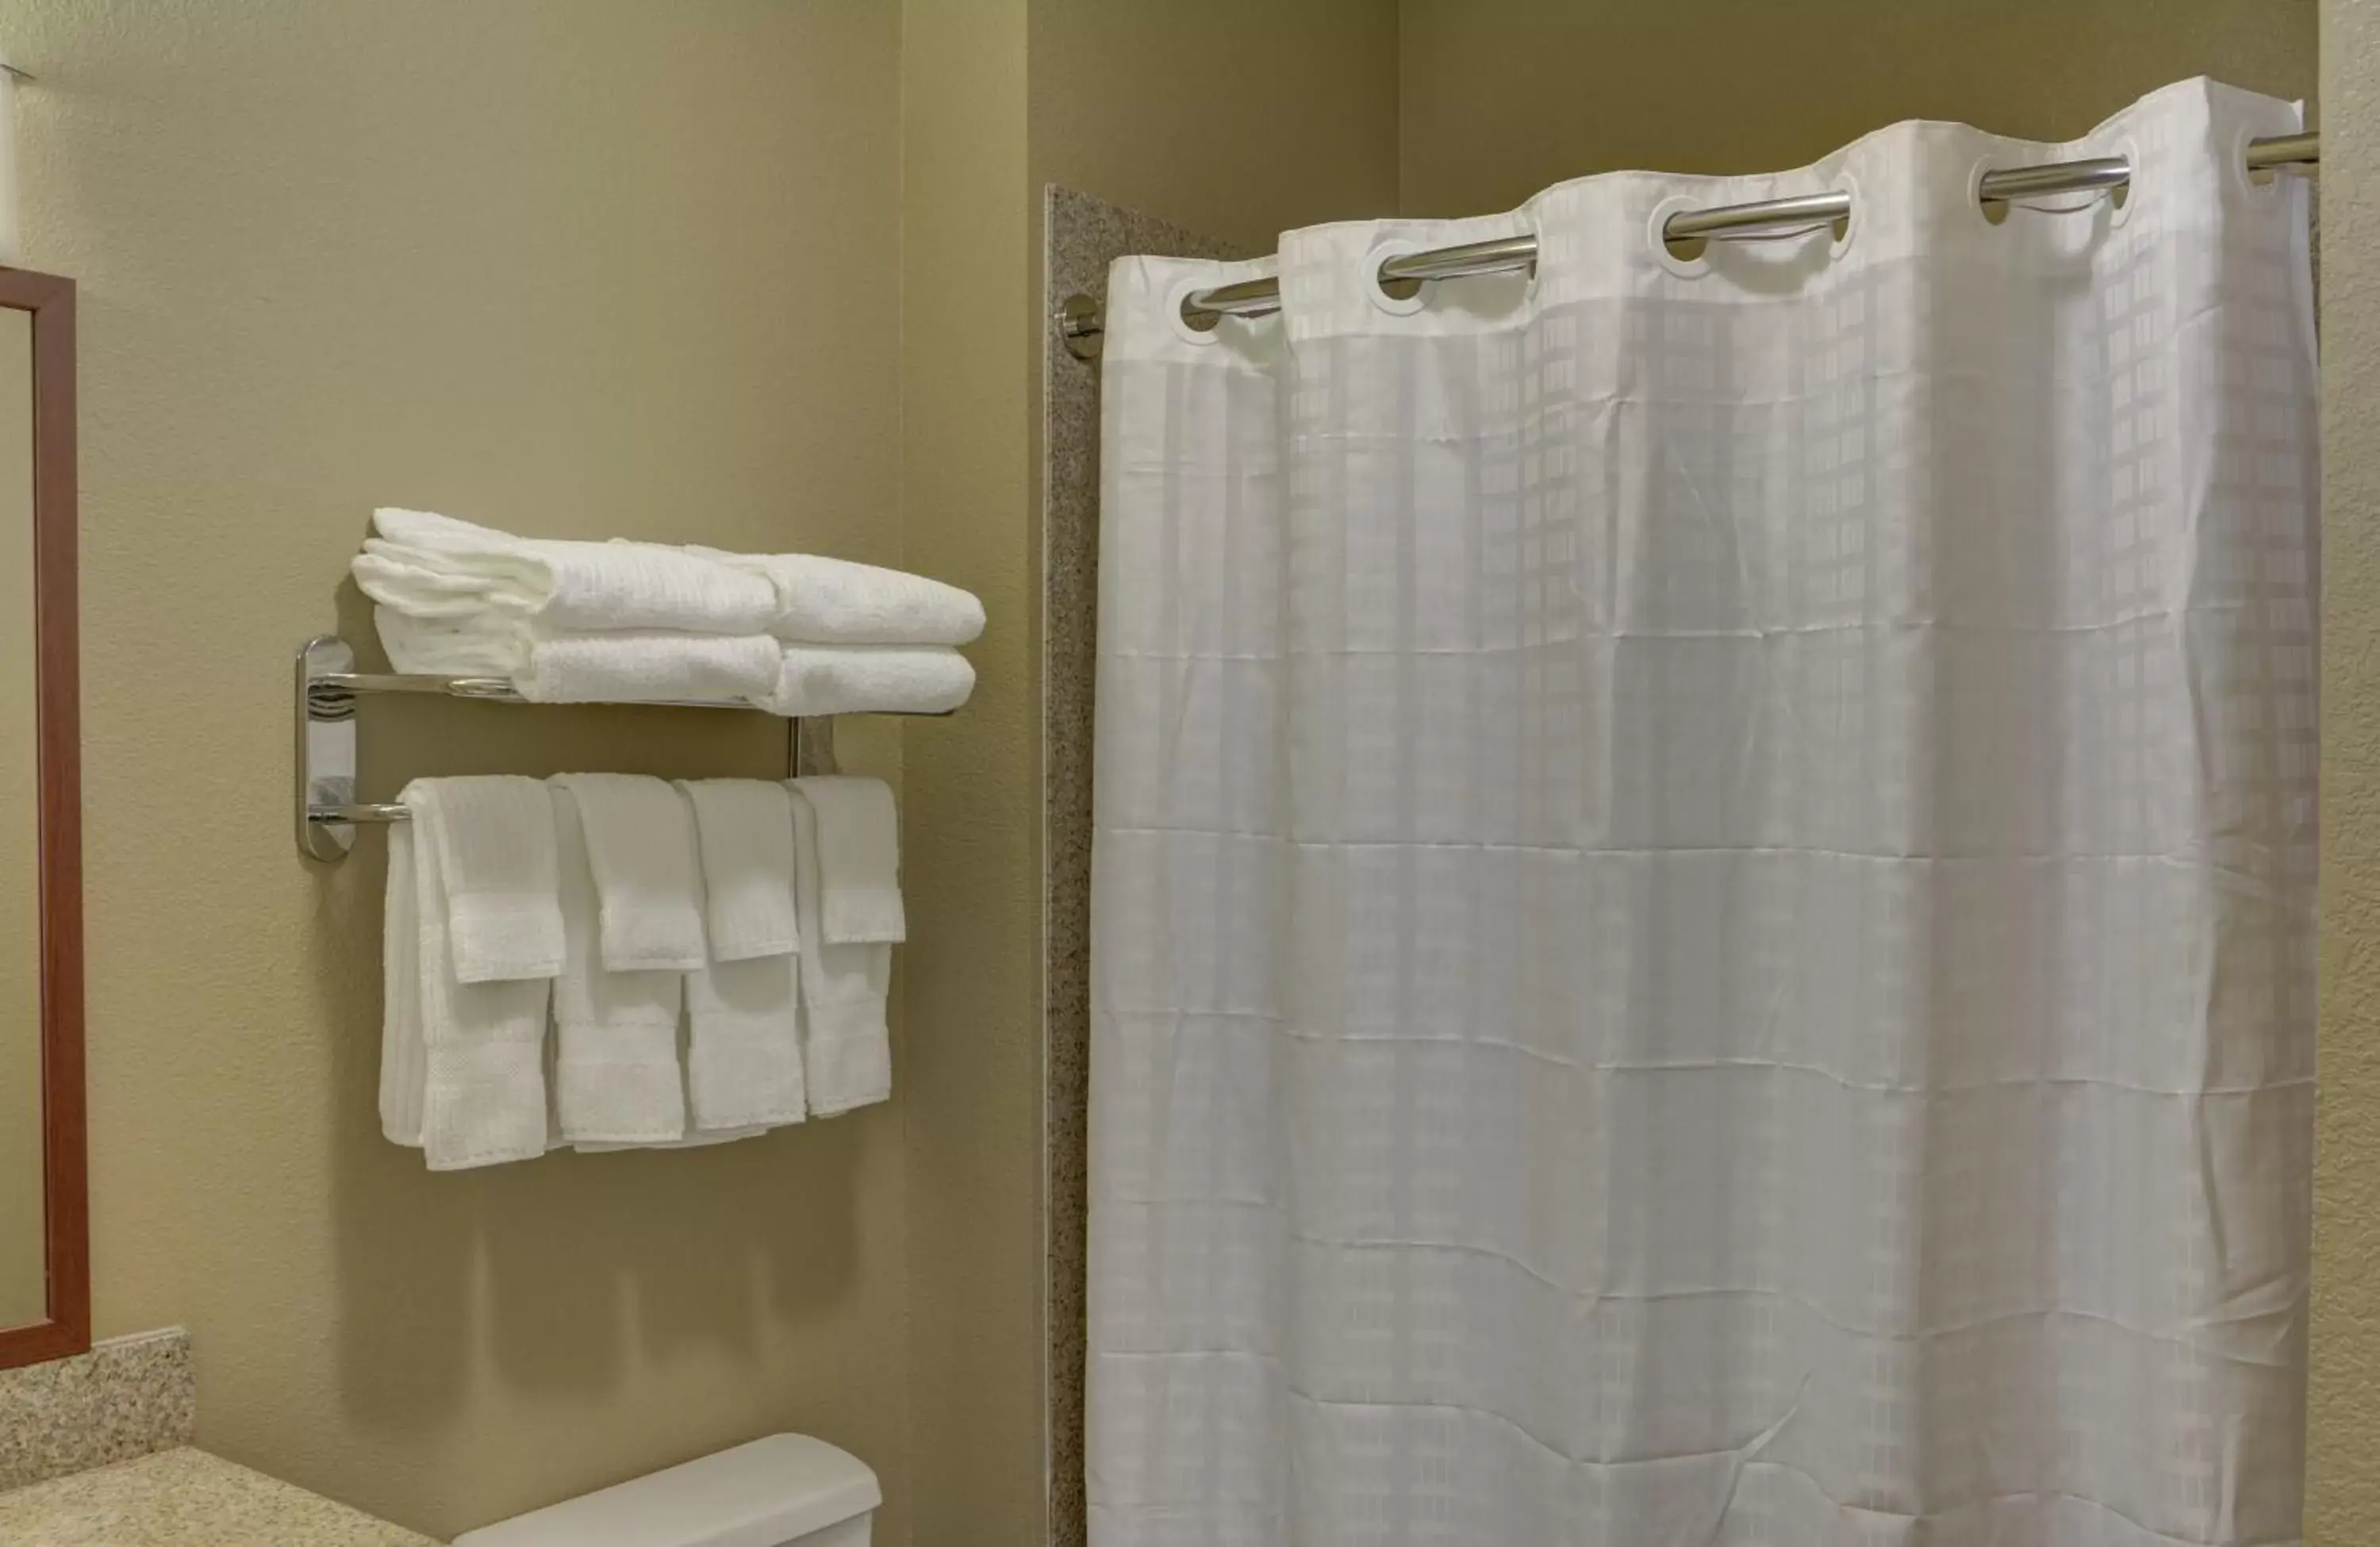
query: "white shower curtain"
1702, 921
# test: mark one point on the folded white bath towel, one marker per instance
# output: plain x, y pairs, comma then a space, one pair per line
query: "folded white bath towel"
859, 861
481, 1059
616, 1075
625, 666
442, 648
744, 1048
745, 830
426, 563
862, 679
411, 580
846, 1053
648, 881
646, 668
832, 600
495, 853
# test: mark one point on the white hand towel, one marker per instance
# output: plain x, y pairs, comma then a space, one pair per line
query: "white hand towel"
745, 830
616, 1077
744, 1048
832, 600
568, 587
862, 679
859, 861
483, 1096
846, 1055
744, 1061
693, 1140
648, 880
627, 666
495, 853
404, 1061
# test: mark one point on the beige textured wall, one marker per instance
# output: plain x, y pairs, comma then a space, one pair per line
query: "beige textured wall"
577, 267
971, 1067
23, 1286
2343, 1485
1237, 118
1502, 97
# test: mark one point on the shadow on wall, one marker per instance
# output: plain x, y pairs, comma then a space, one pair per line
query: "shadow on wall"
565, 1268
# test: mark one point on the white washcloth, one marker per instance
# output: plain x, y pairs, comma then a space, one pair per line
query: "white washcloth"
743, 1048
863, 679
478, 1049
627, 666
429, 565
648, 880
745, 830
846, 1053
832, 600
859, 861
495, 853
616, 1078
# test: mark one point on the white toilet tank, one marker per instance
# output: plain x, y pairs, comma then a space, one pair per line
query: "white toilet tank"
773, 1493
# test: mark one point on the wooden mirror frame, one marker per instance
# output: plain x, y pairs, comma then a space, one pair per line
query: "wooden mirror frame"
65, 1188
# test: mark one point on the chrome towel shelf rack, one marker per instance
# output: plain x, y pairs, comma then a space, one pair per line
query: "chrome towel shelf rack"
327, 685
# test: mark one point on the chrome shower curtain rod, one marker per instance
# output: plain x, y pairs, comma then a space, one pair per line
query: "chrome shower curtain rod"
1080, 320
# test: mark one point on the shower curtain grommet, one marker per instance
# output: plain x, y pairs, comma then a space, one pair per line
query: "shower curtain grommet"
1837, 246
2119, 209
1174, 300
1979, 209
1684, 268
2264, 184
1379, 253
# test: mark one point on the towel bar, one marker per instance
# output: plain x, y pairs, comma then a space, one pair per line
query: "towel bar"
328, 685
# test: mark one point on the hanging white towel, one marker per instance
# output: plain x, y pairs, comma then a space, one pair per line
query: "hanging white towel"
745, 832
744, 1064
616, 1073
695, 1139
495, 853
434, 565
648, 881
744, 1048
482, 1092
863, 679
832, 600
846, 1055
859, 860
404, 1061
624, 666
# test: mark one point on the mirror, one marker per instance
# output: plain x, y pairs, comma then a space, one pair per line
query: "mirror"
24, 1250
45, 1288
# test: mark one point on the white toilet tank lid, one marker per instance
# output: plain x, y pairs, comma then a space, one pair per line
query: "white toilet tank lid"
760, 1494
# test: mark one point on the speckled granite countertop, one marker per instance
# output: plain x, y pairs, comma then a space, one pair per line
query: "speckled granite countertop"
184, 1498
